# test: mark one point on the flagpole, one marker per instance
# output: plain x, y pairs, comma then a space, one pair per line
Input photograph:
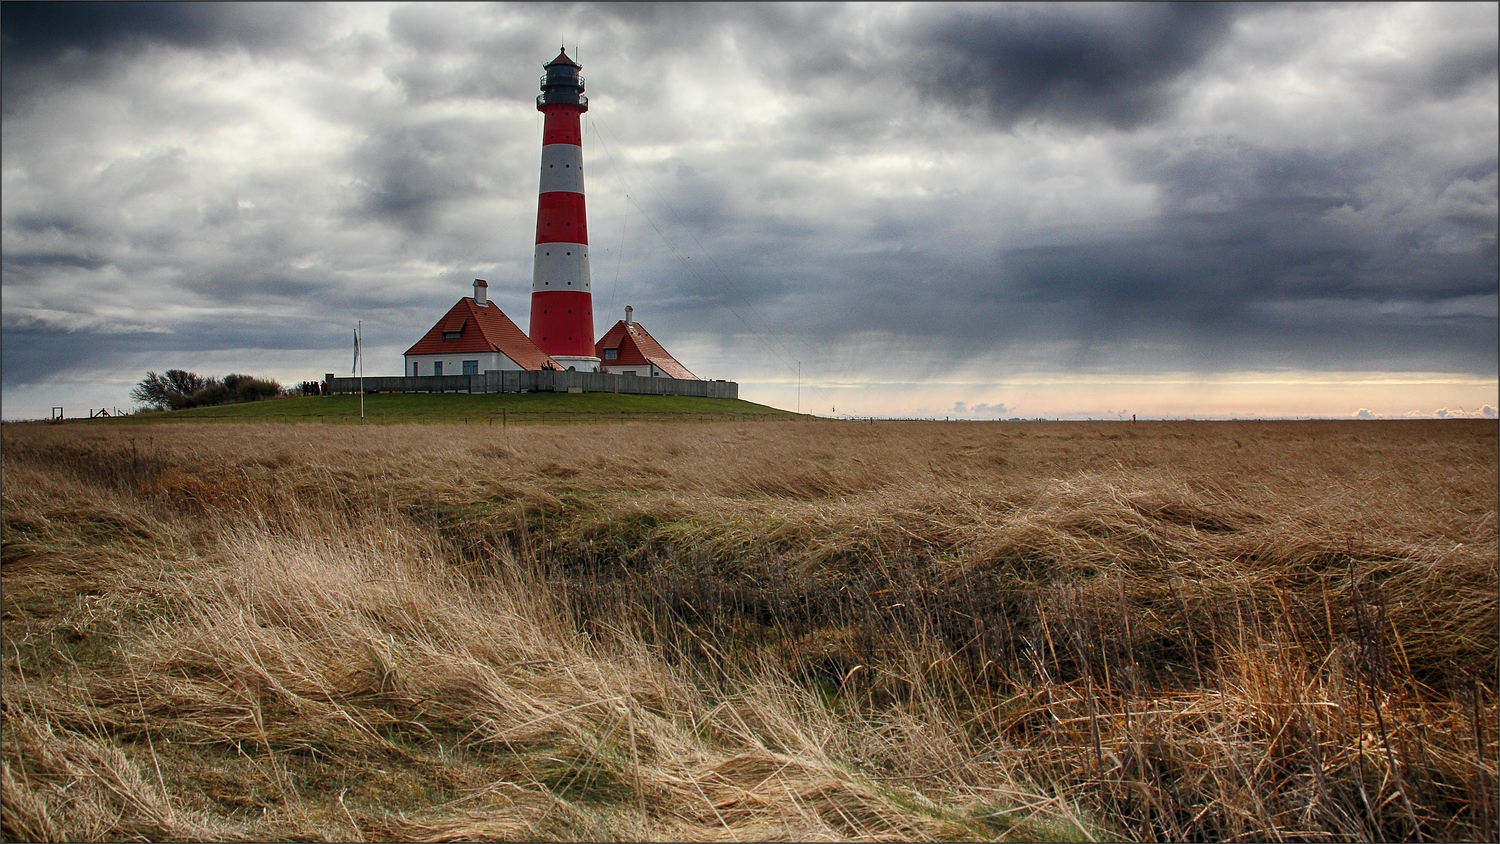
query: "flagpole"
358, 325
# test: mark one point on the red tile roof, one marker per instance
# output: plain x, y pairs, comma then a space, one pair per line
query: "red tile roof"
638, 348
485, 329
562, 58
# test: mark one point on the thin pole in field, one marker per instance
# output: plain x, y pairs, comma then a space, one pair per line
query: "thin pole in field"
360, 358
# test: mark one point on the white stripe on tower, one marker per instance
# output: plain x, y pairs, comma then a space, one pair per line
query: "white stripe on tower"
562, 168
560, 266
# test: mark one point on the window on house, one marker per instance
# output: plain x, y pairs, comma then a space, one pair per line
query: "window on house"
437, 367
628, 372
452, 335
611, 354
471, 367
414, 367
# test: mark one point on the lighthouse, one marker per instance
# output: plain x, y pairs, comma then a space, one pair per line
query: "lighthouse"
562, 308
475, 337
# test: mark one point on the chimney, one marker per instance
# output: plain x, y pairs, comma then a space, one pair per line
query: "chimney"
629, 315
481, 292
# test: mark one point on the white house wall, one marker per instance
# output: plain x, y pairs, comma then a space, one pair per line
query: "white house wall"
454, 364
644, 370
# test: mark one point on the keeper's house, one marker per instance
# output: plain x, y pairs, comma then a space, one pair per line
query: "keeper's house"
628, 349
475, 336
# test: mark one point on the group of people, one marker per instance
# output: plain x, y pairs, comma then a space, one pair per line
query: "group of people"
314, 388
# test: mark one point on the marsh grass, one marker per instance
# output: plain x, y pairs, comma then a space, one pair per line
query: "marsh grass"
751, 630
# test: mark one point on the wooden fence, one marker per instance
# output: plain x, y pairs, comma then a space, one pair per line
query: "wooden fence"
497, 381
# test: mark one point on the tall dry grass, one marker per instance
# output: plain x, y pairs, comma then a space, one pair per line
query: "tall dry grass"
751, 630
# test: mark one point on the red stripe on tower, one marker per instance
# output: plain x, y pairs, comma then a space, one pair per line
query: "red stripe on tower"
562, 303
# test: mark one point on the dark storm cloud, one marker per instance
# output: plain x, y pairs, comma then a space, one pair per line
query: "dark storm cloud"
1258, 256
39, 355
46, 45
1453, 73
689, 28
468, 54
1252, 262
1140, 307
36, 355
23, 262
43, 31
36, 352
59, 223
411, 169
1361, 252
1086, 64
1437, 68
1284, 213
1227, 300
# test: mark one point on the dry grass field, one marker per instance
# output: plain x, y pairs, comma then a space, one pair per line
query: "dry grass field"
751, 630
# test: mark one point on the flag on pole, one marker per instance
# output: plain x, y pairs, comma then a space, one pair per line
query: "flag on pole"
355, 366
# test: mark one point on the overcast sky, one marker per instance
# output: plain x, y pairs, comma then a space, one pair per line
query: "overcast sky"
971, 210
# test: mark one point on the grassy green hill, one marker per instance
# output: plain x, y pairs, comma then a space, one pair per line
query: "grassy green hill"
483, 409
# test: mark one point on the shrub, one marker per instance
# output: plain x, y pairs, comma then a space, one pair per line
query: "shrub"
179, 389
249, 388
169, 391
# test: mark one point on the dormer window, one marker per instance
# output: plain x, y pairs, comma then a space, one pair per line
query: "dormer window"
452, 335
611, 354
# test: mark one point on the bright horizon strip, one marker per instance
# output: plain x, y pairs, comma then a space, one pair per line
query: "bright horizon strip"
1332, 395
1338, 378
1254, 394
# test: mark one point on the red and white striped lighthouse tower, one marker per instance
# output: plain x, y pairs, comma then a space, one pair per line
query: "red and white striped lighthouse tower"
562, 303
